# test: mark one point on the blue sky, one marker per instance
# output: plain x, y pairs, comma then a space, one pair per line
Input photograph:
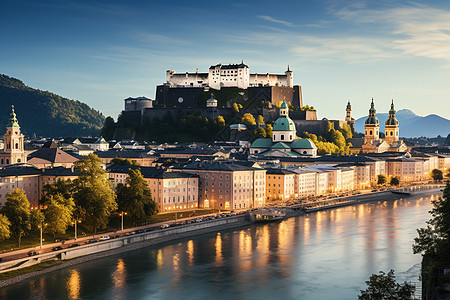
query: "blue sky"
100, 52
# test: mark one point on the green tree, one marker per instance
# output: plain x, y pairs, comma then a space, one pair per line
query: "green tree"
36, 219
93, 196
260, 132
346, 131
235, 107
248, 119
394, 181
384, 287
434, 240
17, 210
135, 197
381, 179
220, 121
4, 227
108, 128
123, 161
260, 120
269, 129
61, 187
436, 174
58, 214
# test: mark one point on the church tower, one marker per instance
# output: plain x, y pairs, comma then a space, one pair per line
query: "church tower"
289, 79
372, 127
391, 126
348, 116
13, 151
284, 128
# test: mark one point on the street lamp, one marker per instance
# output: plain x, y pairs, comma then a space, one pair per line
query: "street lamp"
41, 227
75, 222
121, 214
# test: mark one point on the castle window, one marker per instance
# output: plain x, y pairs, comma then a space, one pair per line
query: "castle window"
282, 137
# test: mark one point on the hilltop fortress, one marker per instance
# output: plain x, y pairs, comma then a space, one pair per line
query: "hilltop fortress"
228, 83
232, 75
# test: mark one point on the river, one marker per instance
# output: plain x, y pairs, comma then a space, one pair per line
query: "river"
323, 255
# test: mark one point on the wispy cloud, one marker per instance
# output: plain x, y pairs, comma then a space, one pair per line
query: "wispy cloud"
271, 19
415, 29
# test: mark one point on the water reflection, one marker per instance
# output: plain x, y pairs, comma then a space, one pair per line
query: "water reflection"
73, 284
324, 255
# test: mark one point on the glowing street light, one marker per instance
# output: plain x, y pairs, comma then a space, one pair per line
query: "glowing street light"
121, 214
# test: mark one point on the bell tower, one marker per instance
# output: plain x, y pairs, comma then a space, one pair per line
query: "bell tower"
14, 151
372, 127
391, 126
348, 116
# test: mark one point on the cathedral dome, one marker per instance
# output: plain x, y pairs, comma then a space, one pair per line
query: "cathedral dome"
283, 124
392, 120
372, 120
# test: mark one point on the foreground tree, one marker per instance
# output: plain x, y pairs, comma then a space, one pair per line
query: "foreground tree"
381, 179
135, 197
58, 214
384, 287
93, 196
434, 240
4, 227
17, 210
436, 174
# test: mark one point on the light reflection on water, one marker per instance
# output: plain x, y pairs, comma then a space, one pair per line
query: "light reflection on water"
324, 255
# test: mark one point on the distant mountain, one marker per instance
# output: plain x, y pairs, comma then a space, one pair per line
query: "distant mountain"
44, 113
412, 125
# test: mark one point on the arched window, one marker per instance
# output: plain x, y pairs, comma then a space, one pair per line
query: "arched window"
17, 145
392, 133
304, 152
370, 132
290, 136
7, 161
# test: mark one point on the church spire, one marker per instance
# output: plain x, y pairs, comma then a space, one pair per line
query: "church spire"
13, 122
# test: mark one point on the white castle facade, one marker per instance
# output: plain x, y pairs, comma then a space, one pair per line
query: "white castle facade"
233, 75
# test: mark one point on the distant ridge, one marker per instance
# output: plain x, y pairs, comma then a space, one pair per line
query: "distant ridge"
44, 113
412, 125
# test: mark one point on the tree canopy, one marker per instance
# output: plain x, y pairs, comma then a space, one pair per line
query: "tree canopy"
135, 197
381, 179
437, 175
4, 227
58, 214
17, 210
384, 287
93, 195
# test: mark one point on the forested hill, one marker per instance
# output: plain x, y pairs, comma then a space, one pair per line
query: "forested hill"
44, 113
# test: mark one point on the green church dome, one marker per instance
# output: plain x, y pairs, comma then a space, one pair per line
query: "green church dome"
392, 120
372, 119
283, 124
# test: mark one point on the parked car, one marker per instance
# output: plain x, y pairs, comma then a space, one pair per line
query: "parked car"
140, 231
105, 238
57, 248
164, 226
91, 241
33, 253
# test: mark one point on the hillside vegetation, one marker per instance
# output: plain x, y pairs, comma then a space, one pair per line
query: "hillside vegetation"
44, 113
